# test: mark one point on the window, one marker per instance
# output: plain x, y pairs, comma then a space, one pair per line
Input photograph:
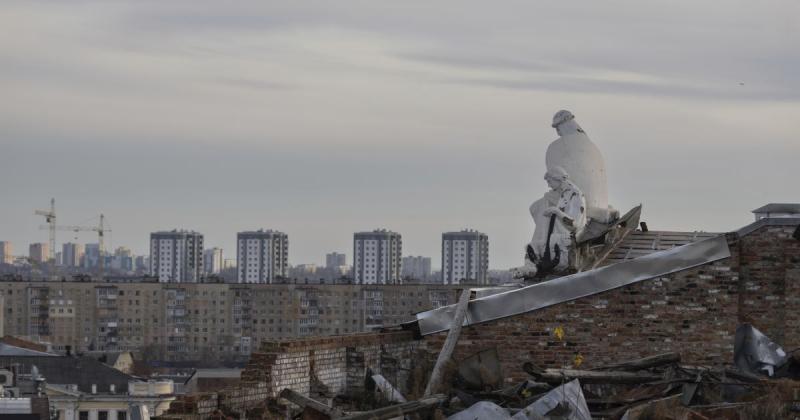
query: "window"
83, 415
122, 415
102, 415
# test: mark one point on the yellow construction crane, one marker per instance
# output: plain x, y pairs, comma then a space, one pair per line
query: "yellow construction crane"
100, 229
50, 217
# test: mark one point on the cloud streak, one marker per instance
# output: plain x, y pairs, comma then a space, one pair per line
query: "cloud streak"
321, 118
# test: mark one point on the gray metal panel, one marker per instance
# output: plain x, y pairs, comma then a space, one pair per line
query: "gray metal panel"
776, 221
779, 208
587, 283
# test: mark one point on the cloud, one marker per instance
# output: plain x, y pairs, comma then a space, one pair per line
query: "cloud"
324, 118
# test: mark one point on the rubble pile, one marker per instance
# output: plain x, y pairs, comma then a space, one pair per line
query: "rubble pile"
763, 382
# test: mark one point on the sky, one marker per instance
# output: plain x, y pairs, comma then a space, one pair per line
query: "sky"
322, 118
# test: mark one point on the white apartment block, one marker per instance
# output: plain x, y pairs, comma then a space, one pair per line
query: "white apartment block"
71, 254
465, 257
262, 256
377, 257
176, 256
213, 261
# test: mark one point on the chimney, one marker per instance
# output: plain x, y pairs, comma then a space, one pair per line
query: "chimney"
94, 389
112, 388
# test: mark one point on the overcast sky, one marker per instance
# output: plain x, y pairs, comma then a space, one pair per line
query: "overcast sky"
324, 118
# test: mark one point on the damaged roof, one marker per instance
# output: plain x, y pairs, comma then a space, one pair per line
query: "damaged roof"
779, 208
638, 243
575, 286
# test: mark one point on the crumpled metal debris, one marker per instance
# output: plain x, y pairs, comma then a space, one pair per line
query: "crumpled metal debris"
565, 402
482, 410
754, 352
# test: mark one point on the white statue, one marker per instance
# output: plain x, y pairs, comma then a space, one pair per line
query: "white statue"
582, 160
559, 216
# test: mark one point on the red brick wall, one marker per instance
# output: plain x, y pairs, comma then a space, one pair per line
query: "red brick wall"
770, 289
694, 312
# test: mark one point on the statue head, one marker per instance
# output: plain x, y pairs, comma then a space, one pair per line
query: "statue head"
564, 123
555, 177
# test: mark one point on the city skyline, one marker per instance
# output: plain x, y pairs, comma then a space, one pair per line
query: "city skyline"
319, 261
321, 120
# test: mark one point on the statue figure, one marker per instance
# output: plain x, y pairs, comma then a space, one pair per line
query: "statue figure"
559, 216
582, 160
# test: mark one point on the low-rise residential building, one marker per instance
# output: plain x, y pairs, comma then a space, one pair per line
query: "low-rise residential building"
82, 388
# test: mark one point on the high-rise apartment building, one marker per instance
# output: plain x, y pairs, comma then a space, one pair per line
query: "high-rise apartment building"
262, 256
377, 257
142, 263
213, 261
91, 256
335, 260
416, 268
39, 252
465, 257
176, 256
123, 259
71, 254
6, 255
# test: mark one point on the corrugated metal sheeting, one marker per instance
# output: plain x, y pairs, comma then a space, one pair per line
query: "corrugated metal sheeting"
587, 283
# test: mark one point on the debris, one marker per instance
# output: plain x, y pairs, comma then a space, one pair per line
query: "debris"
656, 386
657, 408
754, 352
645, 363
389, 392
398, 410
565, 402
481, 371
482, 410
555, 376
307, 403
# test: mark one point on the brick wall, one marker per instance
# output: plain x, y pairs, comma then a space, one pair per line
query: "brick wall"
694, 312
330, 366
770, 289
250, 400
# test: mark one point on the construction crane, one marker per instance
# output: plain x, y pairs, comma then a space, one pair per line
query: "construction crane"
50, 217
100, 229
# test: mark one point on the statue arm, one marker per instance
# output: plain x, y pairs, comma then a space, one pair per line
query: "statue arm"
570, 209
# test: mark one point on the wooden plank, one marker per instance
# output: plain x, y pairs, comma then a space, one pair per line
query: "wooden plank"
449, 344
557, 376
645, 362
